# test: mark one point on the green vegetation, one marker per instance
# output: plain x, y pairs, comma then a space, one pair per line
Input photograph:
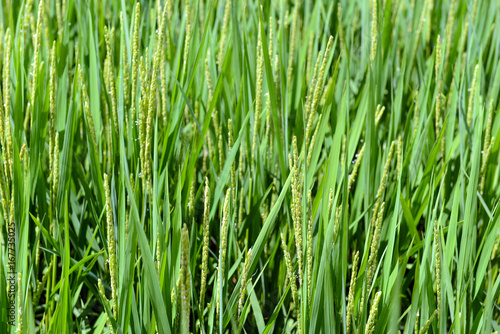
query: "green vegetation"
249, 166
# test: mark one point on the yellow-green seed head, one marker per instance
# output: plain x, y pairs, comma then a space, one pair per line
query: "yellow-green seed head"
378, 114
102, 293
111, 79
111, 244
428, 323
449, 30
352, 289
291, 277
438, 268
374, 247
318, 89
206, 236
19, 304
487, 148
135, 57
470, 107
244, 279
374, 30
225, 22
355, 169
86, 107
341, 27
309, 247
187, 37
372, 318
223, 245
258, 97
185, 282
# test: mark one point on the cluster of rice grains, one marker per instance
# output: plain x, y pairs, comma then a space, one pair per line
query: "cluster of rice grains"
250, 166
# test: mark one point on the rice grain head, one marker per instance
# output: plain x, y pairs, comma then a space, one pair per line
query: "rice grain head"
111, 245
428, 323
206, 236
438, 269
244, 280
352, 290
223, 246
185, 282
372, 318
471, 97
373, 51
291, 278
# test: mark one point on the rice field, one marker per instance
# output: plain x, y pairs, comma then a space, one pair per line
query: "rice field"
205, 166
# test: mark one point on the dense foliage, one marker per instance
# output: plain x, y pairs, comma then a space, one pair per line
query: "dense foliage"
249, 166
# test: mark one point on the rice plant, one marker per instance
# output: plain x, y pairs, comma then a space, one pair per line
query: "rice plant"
204, 166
